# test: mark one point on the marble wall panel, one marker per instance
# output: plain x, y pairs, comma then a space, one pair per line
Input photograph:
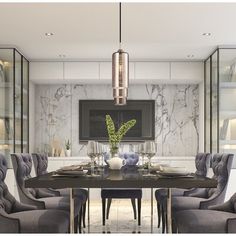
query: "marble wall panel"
176, 115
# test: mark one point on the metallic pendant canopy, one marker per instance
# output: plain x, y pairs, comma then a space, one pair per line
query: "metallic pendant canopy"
120, 73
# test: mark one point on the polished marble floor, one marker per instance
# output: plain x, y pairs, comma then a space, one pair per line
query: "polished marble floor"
121, 219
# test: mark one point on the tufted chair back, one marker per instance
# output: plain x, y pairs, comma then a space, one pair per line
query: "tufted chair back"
22, 165
202, 163
7, 201
40, 163
221, 166
131, 158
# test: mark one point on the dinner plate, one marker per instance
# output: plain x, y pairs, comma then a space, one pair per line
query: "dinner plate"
179, 173
71, 172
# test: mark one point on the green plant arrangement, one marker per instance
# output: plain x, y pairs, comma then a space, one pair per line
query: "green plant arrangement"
116, 137
68, 144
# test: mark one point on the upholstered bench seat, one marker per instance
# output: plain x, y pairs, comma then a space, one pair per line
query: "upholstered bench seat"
202, 221
42, 221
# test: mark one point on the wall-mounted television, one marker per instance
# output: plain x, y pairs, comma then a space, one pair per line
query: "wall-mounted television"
92, 125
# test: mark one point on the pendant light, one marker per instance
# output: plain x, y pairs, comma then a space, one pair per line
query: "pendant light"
120, 72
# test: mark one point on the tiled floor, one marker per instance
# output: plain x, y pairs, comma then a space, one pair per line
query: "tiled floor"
121, 219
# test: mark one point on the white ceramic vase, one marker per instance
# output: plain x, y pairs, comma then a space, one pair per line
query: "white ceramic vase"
68, 152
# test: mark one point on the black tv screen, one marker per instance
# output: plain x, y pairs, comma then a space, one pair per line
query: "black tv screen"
92, 124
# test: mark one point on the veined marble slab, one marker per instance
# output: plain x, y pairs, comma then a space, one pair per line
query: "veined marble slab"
176, 116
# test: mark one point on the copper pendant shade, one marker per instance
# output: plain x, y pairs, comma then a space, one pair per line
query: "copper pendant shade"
120, 74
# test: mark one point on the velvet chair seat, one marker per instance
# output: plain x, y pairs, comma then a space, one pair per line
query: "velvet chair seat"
42, 221
202, 221
61, 203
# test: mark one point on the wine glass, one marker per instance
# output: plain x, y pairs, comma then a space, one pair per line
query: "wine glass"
150, 151
91, 152
141, 151
99, 155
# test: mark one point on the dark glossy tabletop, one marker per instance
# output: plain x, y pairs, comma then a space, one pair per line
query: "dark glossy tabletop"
127, 177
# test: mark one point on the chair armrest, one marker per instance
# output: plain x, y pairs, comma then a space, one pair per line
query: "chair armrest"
214, 200
18, 206
8, 224
231, 225
222, 207
44, 193
199, 192
27, 199
53, 191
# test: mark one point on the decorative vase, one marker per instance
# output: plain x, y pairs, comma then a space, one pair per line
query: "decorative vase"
68, 152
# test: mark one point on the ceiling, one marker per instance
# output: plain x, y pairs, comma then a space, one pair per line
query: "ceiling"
89, 31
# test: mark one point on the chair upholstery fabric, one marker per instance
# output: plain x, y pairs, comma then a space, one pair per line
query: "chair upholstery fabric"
43, 221
16, 217
221, 165
216, 219
202, 164
22, 165
41, 165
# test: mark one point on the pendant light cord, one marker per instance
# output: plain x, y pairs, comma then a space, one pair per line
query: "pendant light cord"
120, 24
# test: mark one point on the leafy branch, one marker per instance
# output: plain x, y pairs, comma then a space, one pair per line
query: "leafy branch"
116, 137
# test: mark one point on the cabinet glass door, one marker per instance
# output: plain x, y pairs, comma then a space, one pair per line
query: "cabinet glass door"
214, 102
207, 105
6, 103
17, 103
227, 93
25, 106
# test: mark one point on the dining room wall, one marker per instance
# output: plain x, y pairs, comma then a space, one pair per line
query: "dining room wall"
176, 116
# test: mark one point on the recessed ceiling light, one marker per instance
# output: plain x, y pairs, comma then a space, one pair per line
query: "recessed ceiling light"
206, 34
190, 56
49, 34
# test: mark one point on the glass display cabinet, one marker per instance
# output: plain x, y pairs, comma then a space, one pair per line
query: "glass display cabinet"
220, 101
14, 102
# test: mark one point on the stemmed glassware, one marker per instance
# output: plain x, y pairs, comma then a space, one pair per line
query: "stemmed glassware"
141, 151
150, 151
92, 153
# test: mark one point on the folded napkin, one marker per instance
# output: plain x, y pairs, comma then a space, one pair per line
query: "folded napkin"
72, 167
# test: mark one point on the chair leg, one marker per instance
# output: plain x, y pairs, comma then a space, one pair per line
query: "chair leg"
103, 211
76, 223
84, 214
134, 207
163, 217
108, 207
159, 215
139, 211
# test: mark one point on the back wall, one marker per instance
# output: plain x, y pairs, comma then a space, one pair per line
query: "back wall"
176, 116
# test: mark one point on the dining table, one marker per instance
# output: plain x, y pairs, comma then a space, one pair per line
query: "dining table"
126, 177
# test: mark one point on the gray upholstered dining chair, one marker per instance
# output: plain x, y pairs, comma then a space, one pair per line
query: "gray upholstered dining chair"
202, 164
133, 194
41, 165
215, 219
22, 165
203, 198
16, 217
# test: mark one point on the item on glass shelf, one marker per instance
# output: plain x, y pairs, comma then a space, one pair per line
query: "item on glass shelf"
115, 137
